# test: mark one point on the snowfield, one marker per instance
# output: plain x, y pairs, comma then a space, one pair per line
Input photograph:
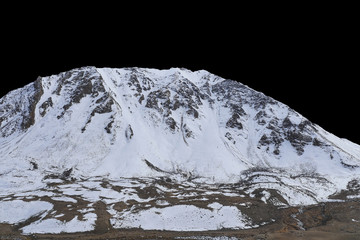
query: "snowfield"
184, 218
18, 211
56, 226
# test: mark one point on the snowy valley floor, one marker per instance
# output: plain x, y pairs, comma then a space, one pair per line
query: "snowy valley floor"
165, 209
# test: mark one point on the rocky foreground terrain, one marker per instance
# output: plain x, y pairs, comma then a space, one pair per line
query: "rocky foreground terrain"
269, 216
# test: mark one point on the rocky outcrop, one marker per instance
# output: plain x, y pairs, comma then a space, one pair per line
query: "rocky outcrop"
29, 115
18, 108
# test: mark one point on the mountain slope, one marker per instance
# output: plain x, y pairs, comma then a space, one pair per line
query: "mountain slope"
145, 123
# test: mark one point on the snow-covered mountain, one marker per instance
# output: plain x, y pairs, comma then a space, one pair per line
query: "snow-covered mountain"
136, 122
98, 149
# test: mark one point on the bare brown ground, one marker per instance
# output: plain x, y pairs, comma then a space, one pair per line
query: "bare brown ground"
253, 234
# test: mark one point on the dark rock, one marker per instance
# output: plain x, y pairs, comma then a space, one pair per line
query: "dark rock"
64, 77
354, 185
298, 140
153, 167
148, 192
134, 81
147, 83
63, 176
141, 98
175, 105
34, 165
276, 138
234, 122
106, 107
259, 117
129, 133
109, 125
229, 137
260, 104
66, 174
317, 142
238, 110
44, 106
151, 101
276, 151
102, 99
83, 88
29, 118
264, 140
193, 112
304, 124
186, 130
348, 165
287, 123
171, 123
274, 125
262, 122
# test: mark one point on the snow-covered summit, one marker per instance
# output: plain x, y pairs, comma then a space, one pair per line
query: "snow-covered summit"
137, 122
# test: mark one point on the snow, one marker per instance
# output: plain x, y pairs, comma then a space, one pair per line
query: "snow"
184, 218
64, 199
17, 211
266, 196
215, 205
57, 226
354, 196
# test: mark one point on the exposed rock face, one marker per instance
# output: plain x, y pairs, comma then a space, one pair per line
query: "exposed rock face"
17, 111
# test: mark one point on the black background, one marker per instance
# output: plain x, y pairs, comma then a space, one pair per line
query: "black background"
302, 57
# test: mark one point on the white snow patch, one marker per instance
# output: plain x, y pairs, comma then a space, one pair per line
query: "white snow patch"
18, 211
266, 196
57, 226
64, 199
215, 205
183, 218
